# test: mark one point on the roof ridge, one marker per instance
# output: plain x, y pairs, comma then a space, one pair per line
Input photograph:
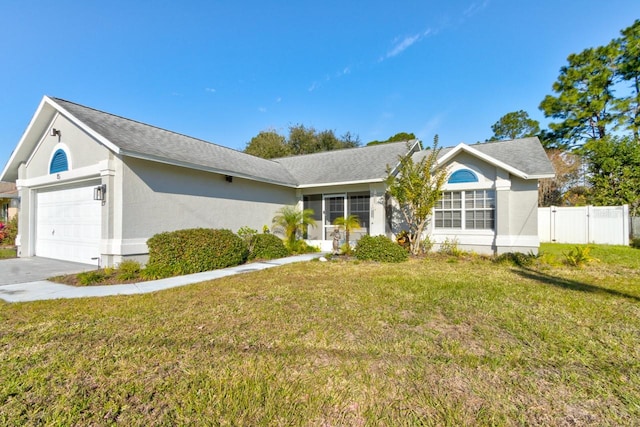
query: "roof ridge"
498, 141
328, 152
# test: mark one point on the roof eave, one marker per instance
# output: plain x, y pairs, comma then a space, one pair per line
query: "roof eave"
188, 165
487, 158
333, 184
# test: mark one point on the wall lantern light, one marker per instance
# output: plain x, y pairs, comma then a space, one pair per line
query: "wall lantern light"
100, 193
56, 132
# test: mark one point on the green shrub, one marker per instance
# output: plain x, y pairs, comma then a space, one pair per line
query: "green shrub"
450, 247
128, 270
301, 247
154, 272
9, 232
346, 249
194, 250
578, 256
247, 234
267, 246
635, 242
91, 277
380, 248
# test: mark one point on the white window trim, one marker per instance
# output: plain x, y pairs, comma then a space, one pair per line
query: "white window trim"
463, 229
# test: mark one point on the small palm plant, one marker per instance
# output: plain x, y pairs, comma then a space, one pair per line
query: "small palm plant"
347, 224
289, 220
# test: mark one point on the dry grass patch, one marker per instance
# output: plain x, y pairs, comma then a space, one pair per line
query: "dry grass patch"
421, 343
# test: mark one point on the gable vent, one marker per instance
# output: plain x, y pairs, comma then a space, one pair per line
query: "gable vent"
59, 162
462, 176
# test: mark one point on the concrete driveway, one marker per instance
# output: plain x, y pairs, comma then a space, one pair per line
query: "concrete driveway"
24, 270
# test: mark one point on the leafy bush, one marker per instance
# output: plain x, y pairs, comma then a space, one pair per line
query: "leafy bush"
247, 234
402, 239
194, 250
346, 249
450, 247
9, 231
301, 247
128, 270
91, 277
380, 248
578, 256
635, 243
267, 246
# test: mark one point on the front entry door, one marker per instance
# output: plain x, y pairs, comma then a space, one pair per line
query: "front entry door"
334, 207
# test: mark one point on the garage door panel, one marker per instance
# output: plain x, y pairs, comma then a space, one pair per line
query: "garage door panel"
68, 224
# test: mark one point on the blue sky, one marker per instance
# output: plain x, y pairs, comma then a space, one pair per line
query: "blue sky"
225, 70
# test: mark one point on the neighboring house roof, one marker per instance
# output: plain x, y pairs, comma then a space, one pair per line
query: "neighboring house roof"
348, 166
8, 190
523, 157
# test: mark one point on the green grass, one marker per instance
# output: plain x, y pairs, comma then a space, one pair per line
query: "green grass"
425, 342
7, 253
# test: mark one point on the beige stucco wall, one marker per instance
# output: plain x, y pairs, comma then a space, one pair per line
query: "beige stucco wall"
81, 149
485, 171
156, 197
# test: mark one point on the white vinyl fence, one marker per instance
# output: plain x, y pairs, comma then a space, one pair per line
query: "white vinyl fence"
584, 224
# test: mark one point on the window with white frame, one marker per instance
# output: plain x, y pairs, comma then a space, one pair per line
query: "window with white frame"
466, 210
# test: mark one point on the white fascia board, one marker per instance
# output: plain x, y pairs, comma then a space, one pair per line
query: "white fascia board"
202, 168
333, 184
491, 160
111, 146
411, 152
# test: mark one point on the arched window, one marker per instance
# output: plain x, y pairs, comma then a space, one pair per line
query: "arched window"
462, 176
59, 162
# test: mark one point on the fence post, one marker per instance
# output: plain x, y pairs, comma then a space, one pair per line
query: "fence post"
552, 223
590, 224
626, 232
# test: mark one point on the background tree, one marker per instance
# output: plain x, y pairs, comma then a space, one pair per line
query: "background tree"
398, 137
614, 172
516, 124
268, 145
301, 140
629, 70
552, 191
290, 221
584, 95
417, 187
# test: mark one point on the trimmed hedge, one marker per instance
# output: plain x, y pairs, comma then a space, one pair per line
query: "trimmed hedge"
380, 248
194, 250
267, 246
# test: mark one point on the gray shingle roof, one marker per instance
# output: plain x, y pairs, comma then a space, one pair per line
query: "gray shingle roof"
362, 164
139, 139
348, 165
525, 154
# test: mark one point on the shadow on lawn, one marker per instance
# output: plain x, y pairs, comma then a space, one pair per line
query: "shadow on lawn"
573, 285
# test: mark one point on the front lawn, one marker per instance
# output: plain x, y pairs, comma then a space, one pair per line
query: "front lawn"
438, 341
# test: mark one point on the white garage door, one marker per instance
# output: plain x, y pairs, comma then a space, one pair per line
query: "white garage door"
68, 225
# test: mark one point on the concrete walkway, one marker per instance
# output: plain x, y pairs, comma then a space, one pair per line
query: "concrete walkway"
46, 290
